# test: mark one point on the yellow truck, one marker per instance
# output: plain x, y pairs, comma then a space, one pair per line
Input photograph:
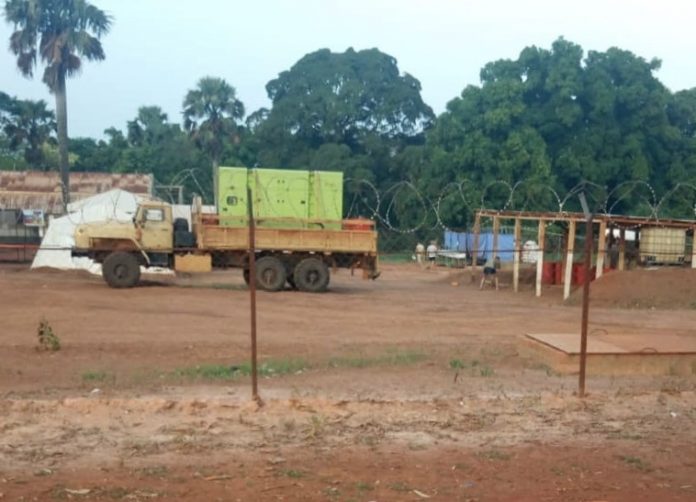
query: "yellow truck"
300, 257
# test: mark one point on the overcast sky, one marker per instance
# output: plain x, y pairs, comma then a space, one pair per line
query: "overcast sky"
158, 49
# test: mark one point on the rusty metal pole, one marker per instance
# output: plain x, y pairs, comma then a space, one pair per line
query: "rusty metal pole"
252, 297
585, 304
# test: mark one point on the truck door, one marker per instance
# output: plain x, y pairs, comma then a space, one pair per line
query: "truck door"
156, 228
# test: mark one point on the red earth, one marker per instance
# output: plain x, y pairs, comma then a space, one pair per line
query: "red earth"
412, 387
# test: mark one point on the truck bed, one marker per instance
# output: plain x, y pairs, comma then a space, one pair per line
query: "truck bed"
216, 237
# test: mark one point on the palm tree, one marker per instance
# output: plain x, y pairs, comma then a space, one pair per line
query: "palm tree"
29, 125
60, 33
211, 112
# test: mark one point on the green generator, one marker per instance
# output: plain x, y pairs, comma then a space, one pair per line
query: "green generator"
281, 198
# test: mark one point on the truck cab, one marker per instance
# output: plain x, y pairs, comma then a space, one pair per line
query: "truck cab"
123, 247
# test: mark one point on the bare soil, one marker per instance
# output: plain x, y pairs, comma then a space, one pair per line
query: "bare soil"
652, 288
411, 387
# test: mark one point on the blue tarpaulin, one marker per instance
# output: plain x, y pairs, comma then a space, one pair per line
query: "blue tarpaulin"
464, 241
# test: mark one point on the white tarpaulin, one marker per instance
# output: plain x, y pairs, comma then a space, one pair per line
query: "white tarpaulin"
55, 250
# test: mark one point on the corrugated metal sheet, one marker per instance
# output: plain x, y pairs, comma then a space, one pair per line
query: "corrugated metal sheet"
40, 190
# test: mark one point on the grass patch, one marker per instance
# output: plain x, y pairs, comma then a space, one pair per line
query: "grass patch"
269, 368
475, 367
400, 487
494, 455
364, 487
636, 463
97, 377
278, 367
396, 358
291, 473
404, 257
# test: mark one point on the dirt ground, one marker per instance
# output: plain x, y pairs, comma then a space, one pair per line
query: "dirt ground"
412, 387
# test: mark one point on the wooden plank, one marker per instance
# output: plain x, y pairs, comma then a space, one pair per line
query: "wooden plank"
540, 256
601, 249
516, 255
622, 249
474, 252
335, 241
568, 272
496, 229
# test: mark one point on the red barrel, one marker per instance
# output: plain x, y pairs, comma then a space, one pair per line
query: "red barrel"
548, 272
579, 273
559, 272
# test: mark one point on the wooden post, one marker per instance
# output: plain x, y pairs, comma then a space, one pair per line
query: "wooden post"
622, 249
474, 251
585, 306
252, 296
601, 248
693, 250
496, 228
516, 255
540, 256
568, 273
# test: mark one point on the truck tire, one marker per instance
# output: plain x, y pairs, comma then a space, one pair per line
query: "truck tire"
311, 275
121, 270
245, 274
270, 274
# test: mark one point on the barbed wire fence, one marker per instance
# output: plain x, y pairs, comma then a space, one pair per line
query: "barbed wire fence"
406, 214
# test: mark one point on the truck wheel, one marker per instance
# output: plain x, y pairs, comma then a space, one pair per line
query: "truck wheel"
270, 274
311, 275
245, 274
121, 270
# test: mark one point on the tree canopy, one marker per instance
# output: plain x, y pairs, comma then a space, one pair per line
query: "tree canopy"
542, 122
351, 111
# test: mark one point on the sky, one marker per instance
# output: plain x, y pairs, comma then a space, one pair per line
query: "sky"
158, 49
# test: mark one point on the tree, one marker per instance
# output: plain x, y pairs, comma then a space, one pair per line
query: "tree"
552, 118
211, 115
60, 33
29, 126
355, 99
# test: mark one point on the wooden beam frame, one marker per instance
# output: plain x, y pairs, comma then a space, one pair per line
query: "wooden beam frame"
540, 256
601, 249
622, 249
517, 255
568, 272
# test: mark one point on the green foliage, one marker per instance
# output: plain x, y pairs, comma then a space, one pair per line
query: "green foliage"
48, 340
211, 112
61, 33
556, 117
542, 122
228, 372
352, 111
28, 127
393, 358
97, 376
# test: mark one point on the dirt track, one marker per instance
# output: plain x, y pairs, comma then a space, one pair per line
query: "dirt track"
367, 405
